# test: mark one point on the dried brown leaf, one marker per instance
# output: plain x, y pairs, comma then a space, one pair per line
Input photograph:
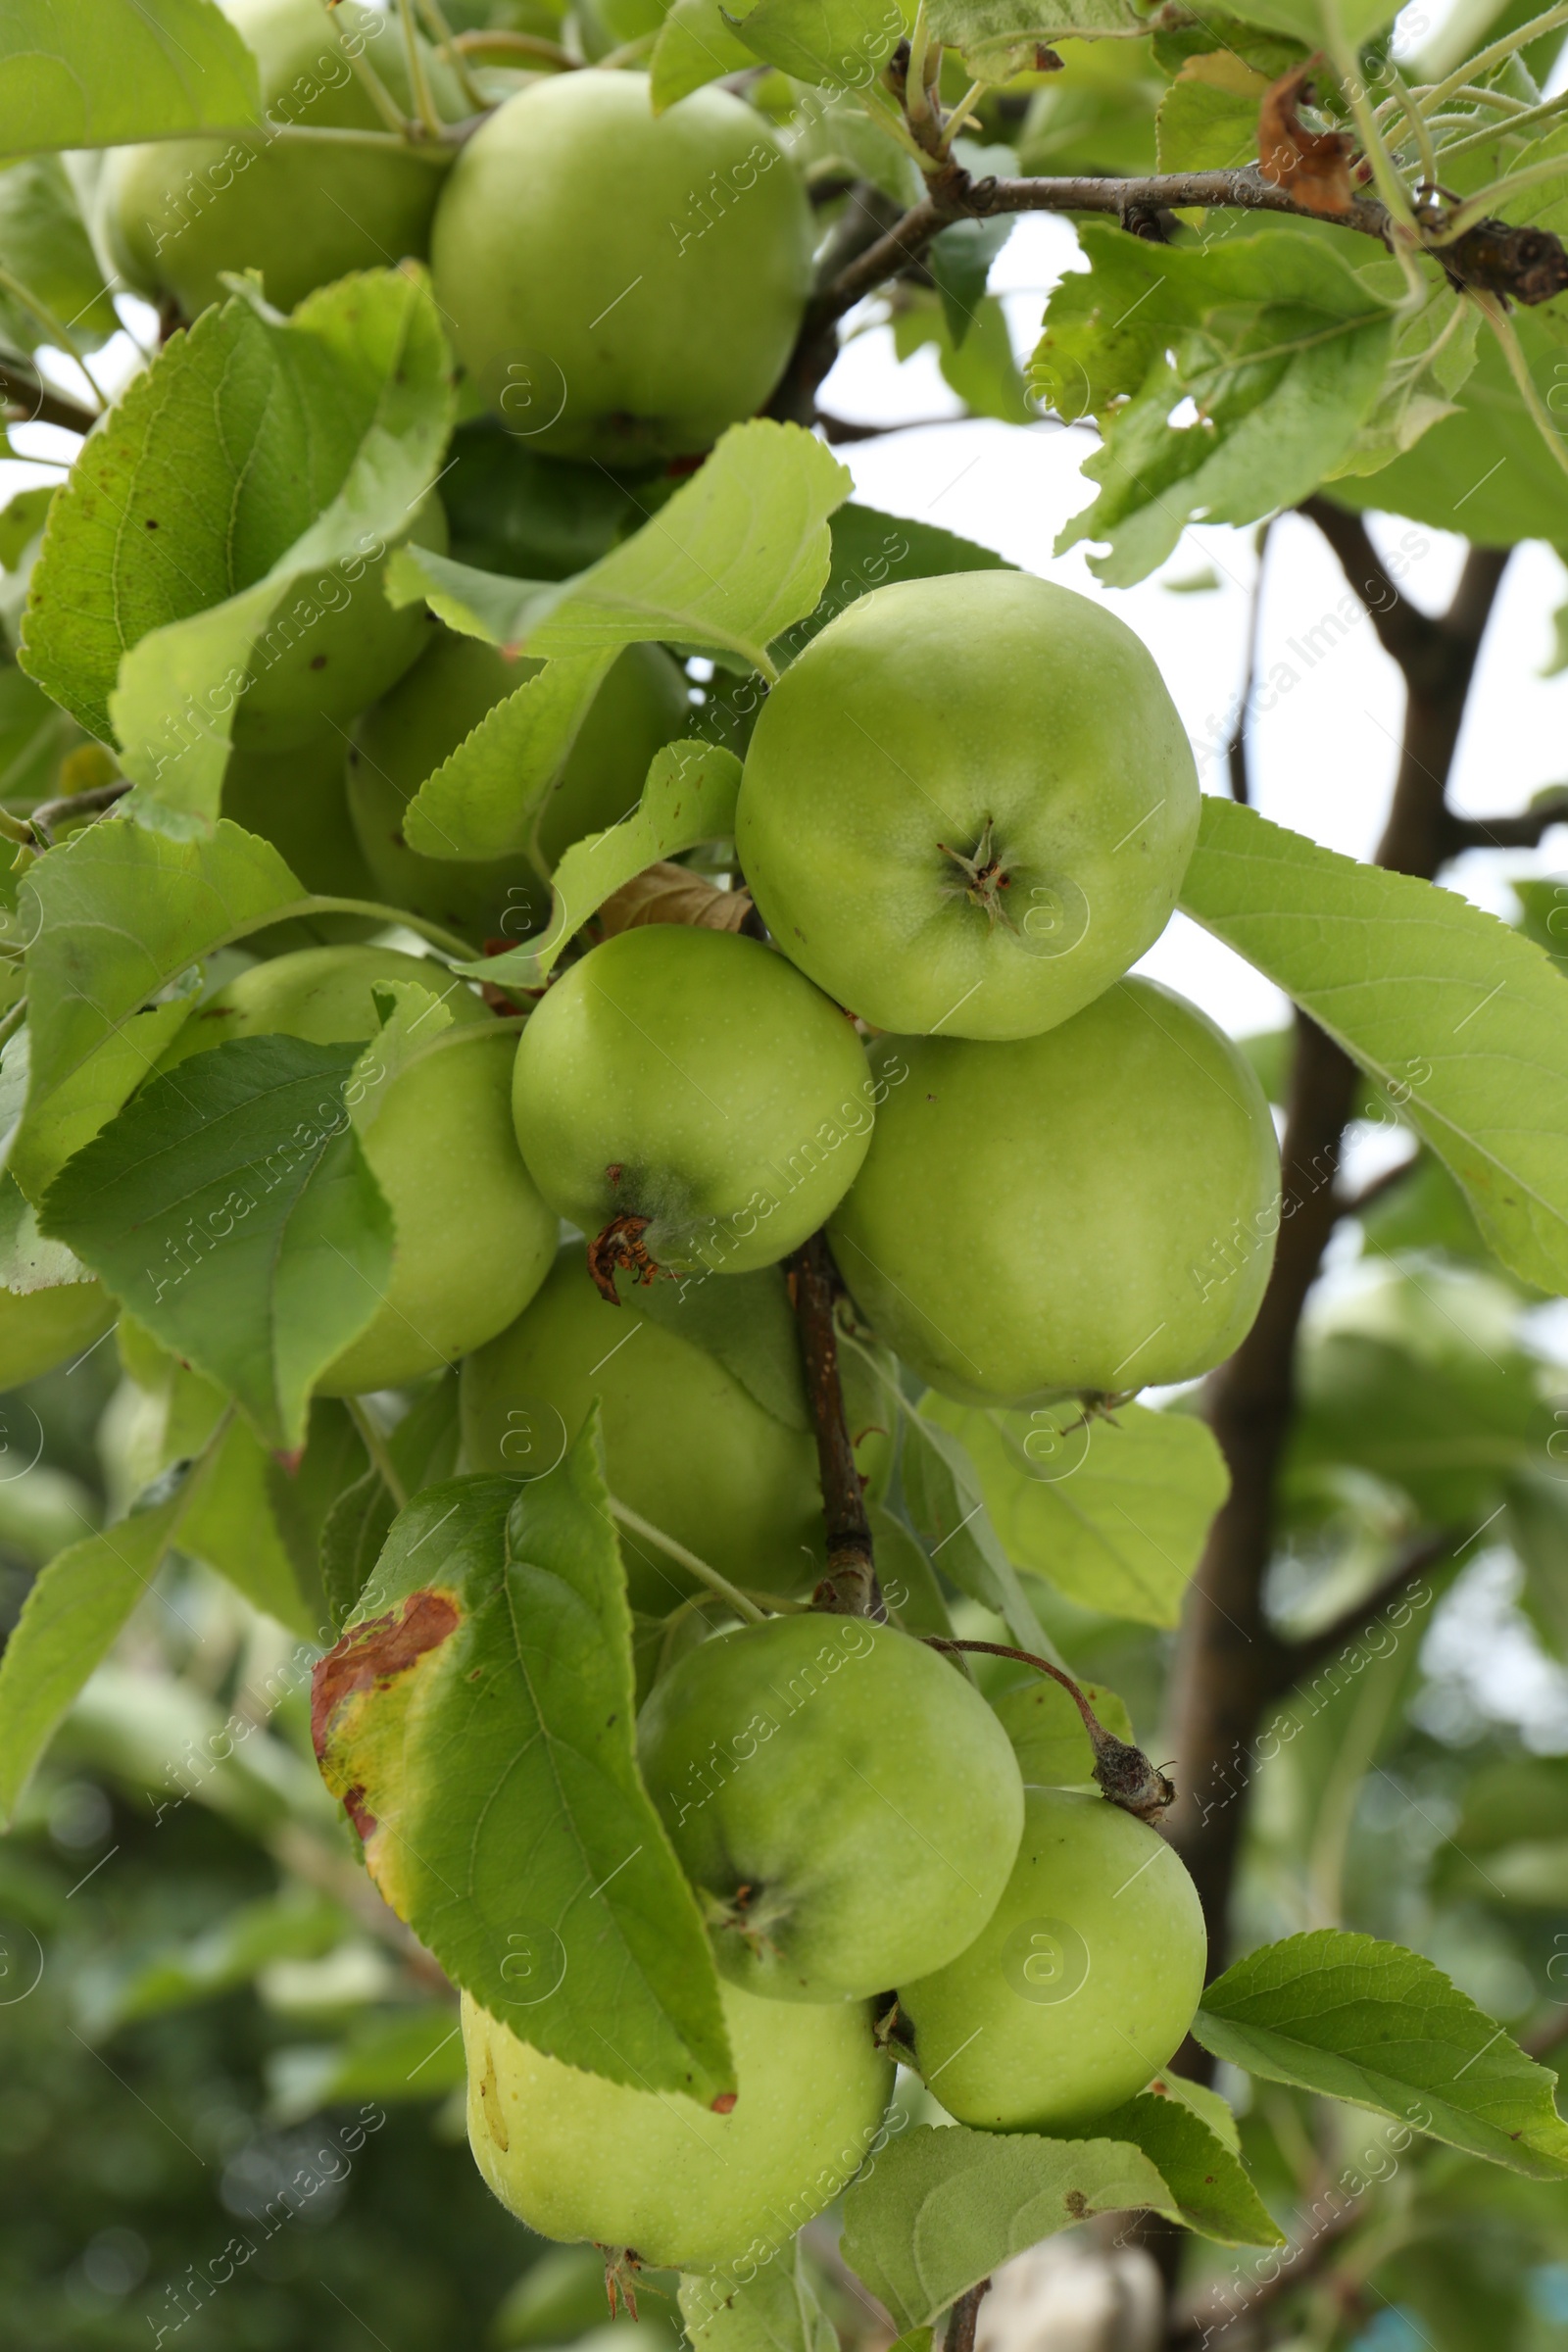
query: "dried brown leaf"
1312, 166
669, 894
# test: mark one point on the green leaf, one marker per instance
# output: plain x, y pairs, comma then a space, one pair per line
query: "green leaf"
485, 798
1456, 1015
253, 452
44, 244
746, 1323
1510, 1844
71, 1615
998, 38
689, 797
980, 368
870, 550
392, 2054
28, 1262
1275, 339
841, 44
943, 2207
1486, 471
1207, 120
960, 261
356, 1528
1544, 903
774, 2311
1433, 354
834, 135
412, 1018
908, 1581
230, 1208
167, 1740
944, 1499
256, 1521
233, 1527
1317, 24
1212, 2193
1048, 1732
696, 44
1379, 2027
737, 554
35, 735
1420, 1383
1113, 1511
1204, 2103
100, 73
423, 1449
115, 916
297, 1925
259, 1520
477, 1711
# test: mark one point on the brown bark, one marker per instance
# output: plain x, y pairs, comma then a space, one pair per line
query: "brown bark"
960, 2336
29, 401
850, 1585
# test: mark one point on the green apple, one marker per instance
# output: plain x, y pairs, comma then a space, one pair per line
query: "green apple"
474, 1241
690, 1090
685, 1444
968, 805
1080, 1985
407, 735
841, 1796
172, 216
40, 1329
622, 285
333, 644
1090, 1210
576, 2156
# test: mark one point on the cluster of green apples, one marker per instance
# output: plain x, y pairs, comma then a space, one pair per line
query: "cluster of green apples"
965, 812
851, 1816
582, 248
560, 294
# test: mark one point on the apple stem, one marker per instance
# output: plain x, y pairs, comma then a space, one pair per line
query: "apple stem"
1124, 1773
744, 1609
850, 1588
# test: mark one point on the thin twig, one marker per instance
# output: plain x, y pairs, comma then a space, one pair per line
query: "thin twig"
960, 2335
850, 1585
1297, 1658
418, 78
439, 26
30, 402
49, 815
955, 196
1235, 749
1124, 1773
1525, 829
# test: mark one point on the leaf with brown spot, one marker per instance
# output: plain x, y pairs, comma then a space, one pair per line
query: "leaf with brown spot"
503, 1818
944, 2207
1213, 2192
1312, 166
